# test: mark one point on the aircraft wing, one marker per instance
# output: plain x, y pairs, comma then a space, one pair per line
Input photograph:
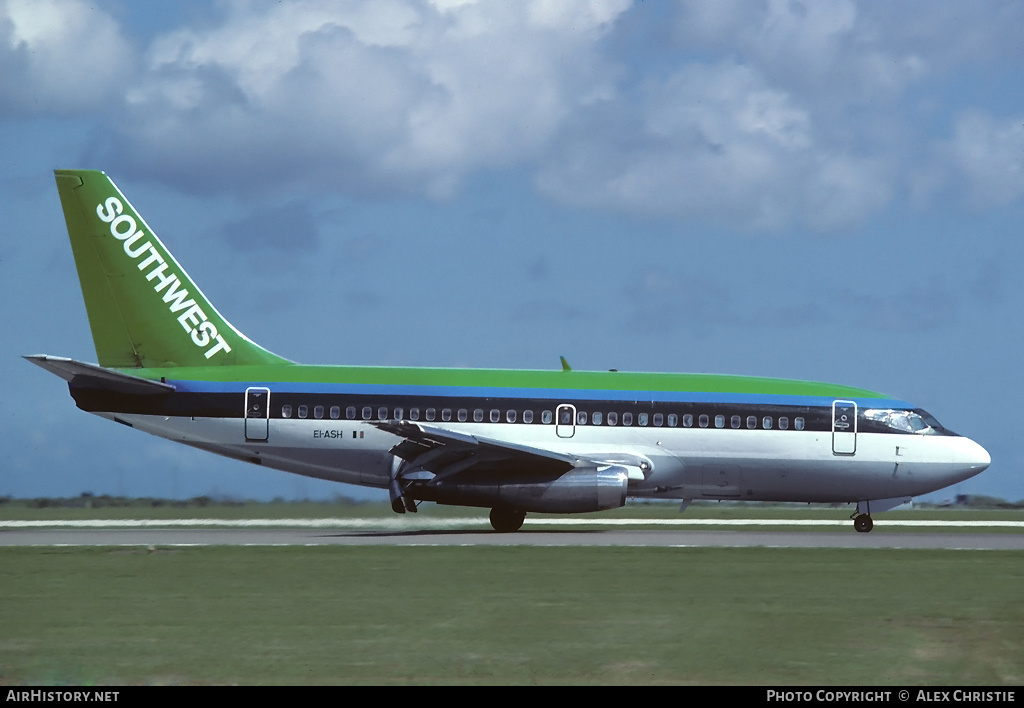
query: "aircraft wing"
438, 464
431, 452
82, 375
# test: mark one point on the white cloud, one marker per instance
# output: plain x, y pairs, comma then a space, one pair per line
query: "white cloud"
394, 92
988, 155
788, 112
836, 53
762, 116
59, 57
717, 142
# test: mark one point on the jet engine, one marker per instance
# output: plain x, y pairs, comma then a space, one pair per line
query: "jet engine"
579, 490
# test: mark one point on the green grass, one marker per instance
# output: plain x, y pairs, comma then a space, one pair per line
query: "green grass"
250, 510
434, 615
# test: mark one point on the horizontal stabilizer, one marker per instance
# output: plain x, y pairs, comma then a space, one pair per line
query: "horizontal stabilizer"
81, 375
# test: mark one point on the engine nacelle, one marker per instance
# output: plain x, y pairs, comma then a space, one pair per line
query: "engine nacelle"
578, 490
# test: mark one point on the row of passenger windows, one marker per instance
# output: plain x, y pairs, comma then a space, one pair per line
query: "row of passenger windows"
612, 418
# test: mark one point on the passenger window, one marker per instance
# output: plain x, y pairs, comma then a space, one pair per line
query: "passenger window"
641, 419
286, 411
335, 412
318, 412
414, 414
719, 421
687, 420
703, 420
463, 415
382, 413
495, 415
545, 417
350, 412
598, 418
658, 420
798, 423
510, 416
783, 423
303, 411
751, 422
367, 412
627, 419
581, 417
431, 414
446, 414
613, 419
735, 421
527, 416
399, 412
673, 420
766, 422
478, 415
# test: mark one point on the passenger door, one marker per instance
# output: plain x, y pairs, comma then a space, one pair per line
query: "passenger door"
844, 428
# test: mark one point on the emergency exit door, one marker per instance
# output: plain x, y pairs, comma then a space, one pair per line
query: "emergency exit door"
565, 420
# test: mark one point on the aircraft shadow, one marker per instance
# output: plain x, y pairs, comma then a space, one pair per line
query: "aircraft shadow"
454, 532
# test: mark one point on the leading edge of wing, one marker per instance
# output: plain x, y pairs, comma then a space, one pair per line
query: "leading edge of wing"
421, 439
82, 375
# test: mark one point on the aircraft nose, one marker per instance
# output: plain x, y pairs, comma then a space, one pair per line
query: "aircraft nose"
974, 458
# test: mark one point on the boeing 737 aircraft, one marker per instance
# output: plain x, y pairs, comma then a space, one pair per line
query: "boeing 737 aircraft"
559, 441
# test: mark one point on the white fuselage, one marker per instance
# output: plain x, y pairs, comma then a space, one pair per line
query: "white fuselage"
684, 463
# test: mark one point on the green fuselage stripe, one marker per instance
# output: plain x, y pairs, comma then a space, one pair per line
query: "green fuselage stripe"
590, 385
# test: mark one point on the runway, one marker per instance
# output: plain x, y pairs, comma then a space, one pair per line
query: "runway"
157, 534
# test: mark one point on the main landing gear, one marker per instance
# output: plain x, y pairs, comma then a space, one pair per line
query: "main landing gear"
863, 523
507, 520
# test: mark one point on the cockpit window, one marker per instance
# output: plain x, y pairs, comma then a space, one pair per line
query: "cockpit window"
916, 421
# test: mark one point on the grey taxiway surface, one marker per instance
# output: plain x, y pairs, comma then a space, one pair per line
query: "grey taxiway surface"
154, 536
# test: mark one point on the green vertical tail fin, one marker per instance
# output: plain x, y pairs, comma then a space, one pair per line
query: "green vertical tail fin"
144, 310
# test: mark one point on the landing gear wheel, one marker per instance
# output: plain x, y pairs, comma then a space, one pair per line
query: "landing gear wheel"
863, 523
507, 520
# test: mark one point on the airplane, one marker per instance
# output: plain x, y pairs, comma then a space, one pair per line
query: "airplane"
514, 441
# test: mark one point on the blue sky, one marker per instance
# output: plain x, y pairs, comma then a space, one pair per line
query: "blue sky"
827, 190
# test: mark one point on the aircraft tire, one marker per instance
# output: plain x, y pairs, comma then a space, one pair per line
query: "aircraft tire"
506, 520
863, 523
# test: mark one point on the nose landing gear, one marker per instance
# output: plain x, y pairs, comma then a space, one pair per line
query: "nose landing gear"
863, 523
